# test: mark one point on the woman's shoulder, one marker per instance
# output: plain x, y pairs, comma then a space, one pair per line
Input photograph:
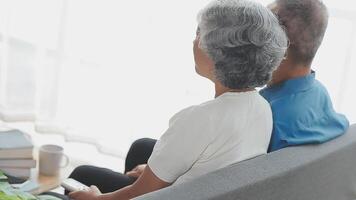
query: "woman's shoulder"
195, 111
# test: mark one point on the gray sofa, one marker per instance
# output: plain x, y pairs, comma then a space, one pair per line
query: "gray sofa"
311, 172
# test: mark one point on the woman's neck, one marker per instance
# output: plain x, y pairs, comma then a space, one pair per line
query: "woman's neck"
220, 89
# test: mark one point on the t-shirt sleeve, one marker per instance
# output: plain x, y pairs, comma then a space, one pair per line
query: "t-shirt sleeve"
181, 145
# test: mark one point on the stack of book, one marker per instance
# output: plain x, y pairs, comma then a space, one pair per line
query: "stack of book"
16, 153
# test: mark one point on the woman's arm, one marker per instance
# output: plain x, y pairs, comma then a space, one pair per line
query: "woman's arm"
147, 182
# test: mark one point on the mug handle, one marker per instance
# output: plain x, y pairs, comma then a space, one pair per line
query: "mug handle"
66, 161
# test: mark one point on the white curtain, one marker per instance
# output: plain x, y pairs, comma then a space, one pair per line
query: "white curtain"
29, 52
107, 72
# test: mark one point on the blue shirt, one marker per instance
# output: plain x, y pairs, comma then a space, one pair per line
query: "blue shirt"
302, 113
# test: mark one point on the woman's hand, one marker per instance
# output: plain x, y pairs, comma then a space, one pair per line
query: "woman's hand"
92, 194
137, 171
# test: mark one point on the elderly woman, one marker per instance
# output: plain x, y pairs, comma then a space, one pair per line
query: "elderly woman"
238, 45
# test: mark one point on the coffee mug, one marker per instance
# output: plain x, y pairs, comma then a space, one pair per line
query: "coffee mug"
51, 159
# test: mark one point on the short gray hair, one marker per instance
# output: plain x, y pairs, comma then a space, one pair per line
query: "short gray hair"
305, 22
245, 41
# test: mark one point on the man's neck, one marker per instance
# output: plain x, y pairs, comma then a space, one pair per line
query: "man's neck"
290, 71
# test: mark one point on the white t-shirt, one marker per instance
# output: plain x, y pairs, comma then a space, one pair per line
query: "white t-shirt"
204, 138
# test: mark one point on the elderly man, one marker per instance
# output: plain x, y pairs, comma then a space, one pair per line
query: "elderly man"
301, 106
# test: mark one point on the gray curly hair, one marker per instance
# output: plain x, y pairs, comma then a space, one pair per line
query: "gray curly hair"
245, 41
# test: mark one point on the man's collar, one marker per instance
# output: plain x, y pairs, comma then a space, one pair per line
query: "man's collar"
294, 85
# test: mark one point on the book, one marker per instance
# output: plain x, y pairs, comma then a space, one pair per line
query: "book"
15, 144
17, 172
15, 139
16, 154
19, 163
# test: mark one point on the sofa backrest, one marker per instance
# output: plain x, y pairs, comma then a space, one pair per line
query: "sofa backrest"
320, 172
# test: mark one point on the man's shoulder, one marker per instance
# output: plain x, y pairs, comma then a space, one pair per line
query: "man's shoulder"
276, 94
304, 117
294, 103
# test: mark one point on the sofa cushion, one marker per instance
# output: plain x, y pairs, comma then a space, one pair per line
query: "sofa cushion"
326, 171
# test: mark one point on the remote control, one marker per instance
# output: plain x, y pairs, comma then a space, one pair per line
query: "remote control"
72, 185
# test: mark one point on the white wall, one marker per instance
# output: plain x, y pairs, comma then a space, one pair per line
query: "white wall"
128, 65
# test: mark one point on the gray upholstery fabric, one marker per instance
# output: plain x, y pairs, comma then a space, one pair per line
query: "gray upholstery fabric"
320, 172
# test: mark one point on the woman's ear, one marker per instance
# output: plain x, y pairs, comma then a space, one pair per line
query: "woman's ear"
286, 53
